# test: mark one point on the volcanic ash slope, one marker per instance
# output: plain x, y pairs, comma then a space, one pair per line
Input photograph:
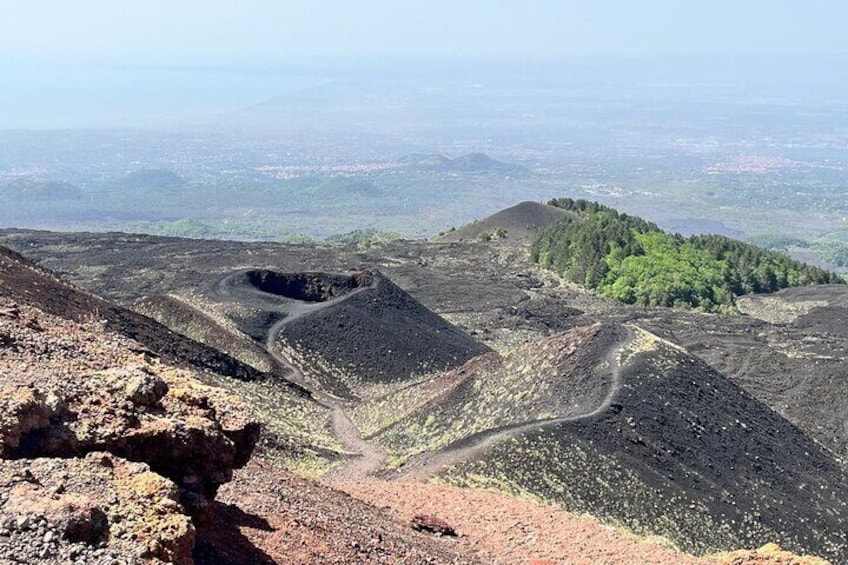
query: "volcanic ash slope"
676, 449
350, 334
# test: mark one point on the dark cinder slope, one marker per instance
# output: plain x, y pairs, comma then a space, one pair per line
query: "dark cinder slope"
521, 223
194, 322
684, 453
348, 332
560, 376
380, 335
790, 351
23, 281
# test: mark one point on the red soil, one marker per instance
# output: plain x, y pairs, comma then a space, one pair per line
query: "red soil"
507, 530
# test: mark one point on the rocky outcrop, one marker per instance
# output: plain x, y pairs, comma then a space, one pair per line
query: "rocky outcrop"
104, 445
99, 508
22, 410
769, 554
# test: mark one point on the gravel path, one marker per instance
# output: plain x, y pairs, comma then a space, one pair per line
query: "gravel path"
369, 458
429, 464
359, 469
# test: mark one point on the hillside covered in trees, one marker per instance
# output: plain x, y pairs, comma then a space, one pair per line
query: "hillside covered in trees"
632, 260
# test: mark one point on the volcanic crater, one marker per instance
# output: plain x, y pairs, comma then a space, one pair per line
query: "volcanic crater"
307, 287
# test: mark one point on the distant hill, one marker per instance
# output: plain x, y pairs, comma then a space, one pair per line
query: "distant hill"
44, 191
151, 178
479, 163
521, 223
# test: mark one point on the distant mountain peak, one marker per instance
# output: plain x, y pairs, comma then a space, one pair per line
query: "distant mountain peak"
469, 163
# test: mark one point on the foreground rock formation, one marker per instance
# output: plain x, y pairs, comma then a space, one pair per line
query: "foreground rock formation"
105, 450
92, 509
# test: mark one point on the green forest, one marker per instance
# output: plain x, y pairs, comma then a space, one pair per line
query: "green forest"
632, 260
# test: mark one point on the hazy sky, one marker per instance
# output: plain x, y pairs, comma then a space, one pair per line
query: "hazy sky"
197, 30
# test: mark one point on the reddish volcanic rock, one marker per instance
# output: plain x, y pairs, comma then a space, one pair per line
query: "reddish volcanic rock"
103, 449
432, 524
504, 530
69, 389
267, 515
23, 409
79, 505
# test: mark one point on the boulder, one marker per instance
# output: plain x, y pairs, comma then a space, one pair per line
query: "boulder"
432, 525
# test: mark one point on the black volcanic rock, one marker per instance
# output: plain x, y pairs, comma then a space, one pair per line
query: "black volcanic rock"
684, 453
382, 334
347, 331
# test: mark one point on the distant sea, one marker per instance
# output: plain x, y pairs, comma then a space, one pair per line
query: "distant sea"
48, 94
39, 95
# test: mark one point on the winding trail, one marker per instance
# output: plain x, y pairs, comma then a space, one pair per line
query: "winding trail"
366, 465
428, 464
231, 288
370, 458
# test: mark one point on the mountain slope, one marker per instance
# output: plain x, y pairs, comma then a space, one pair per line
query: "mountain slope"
348, 333
27, 283
552, 379
681, 452
621, 451
110, 456
521, 223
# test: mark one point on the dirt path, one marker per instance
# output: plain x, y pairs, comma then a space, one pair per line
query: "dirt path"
359, 469
428, 464
369, 458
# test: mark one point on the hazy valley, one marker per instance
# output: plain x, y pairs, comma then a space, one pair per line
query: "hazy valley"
425, 310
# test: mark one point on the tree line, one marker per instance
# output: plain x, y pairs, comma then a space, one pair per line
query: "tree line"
632, 260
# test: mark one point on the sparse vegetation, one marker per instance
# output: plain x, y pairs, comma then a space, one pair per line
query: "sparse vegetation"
207, 229
364, 238
497, 233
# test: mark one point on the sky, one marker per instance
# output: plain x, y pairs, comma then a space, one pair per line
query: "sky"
188, 31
